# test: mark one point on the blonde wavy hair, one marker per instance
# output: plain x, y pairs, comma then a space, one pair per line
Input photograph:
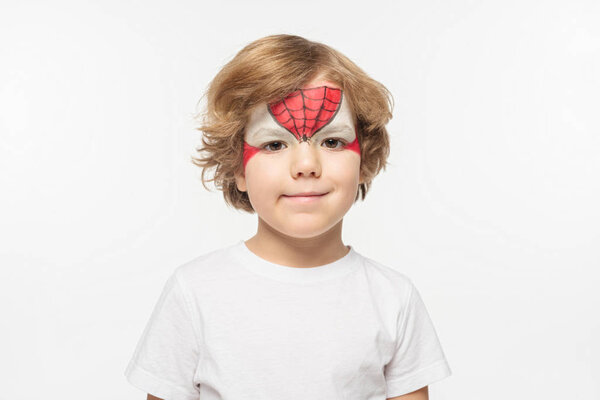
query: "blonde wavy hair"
267, 70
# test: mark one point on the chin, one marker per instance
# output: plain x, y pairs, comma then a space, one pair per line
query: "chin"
306, 230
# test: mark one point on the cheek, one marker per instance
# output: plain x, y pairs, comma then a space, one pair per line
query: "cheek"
345, 169
263, 174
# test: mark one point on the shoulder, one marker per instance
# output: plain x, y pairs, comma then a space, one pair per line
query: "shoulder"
386, 275
218, 264
391, 284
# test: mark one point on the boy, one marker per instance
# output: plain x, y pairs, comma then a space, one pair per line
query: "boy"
296, 133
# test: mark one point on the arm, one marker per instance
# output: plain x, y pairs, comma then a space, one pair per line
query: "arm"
150, 397
421, 394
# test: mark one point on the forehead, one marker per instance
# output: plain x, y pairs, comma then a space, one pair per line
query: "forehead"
269, 122
305, 111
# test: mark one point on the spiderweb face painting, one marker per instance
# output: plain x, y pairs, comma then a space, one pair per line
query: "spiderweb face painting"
305, 111
305, 115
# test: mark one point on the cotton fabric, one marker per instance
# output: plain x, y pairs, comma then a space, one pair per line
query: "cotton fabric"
230, 325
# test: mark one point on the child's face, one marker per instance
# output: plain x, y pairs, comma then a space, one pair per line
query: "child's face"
284, 158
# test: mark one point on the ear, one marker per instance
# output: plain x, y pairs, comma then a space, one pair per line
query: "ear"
240, 182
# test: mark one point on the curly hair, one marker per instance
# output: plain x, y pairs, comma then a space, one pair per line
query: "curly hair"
267, 70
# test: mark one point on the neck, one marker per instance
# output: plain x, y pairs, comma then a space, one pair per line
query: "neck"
279, 248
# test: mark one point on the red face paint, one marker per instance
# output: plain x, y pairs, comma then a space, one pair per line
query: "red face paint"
306, 111
303, 113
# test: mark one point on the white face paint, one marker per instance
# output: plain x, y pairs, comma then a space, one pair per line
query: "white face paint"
263, 129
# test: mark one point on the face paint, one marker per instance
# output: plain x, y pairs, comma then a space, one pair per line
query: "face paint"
305, 115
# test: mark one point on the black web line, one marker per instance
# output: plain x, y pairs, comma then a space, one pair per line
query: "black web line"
303, 113
288, 110
307, 119
322, 108
332, 117
308, 108
324, 98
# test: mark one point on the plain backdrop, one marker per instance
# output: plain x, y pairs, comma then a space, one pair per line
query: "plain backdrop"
489, 202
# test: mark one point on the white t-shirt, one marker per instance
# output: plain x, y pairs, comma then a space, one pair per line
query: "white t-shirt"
231, 325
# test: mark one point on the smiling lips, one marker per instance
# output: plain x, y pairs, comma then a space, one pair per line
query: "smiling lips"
305, 197
304, 194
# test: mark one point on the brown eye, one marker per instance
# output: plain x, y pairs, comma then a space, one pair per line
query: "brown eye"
275, 144
334, 142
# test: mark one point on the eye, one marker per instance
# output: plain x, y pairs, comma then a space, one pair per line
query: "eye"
273, 144
334, 142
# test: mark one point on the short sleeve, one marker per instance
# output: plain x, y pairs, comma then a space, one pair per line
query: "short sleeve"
418, 358
166, 356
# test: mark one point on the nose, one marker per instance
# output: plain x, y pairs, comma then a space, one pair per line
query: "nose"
305, 161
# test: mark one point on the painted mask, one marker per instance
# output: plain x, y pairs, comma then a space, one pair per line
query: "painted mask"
305, 115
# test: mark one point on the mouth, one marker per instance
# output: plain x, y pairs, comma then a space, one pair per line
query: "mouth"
305, 197
306, 194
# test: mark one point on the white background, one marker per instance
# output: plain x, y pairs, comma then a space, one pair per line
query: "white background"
490, 201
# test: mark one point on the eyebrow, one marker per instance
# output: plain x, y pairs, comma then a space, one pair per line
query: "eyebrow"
282, 132
271, 132
327, 129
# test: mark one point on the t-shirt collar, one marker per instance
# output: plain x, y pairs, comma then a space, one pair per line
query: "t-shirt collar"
259, 265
